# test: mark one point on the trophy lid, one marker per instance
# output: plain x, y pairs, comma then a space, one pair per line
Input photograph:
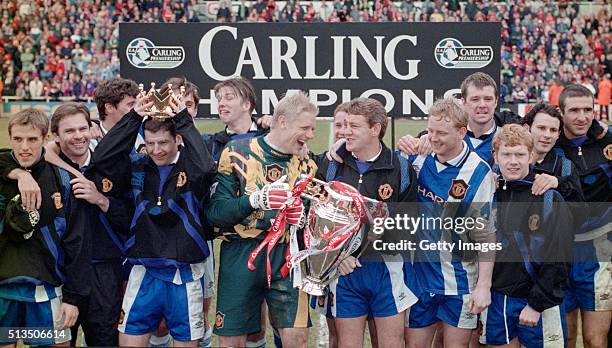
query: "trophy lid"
335, 189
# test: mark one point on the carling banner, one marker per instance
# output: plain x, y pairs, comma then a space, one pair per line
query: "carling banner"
404, 65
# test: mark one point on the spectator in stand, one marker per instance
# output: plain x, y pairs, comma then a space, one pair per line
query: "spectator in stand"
547, 39
224, 14
604, 96
555, 91
36, 87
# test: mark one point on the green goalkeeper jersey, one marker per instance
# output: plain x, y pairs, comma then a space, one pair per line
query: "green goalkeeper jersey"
245, 166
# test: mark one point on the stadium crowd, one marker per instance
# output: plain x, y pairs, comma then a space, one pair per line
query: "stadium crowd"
66, 48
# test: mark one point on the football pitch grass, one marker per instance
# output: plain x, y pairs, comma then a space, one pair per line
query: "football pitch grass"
321, 142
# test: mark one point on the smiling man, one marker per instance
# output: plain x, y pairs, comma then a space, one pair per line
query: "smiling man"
44, 268
479, 96
99, 314
236, 101
455, 286
372, 285
167, 248
553, 170
248, 192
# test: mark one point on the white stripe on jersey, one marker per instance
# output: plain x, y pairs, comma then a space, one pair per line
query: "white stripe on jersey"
484, 194
475, 141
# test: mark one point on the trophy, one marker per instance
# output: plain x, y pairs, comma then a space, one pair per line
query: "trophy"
335, 229
161, 108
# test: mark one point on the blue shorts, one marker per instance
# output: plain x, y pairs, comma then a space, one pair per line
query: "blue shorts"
322, 305
451, 309
590, 279
377, 287
500, 323
148, 299
24, 314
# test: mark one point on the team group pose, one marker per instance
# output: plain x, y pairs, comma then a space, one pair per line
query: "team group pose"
109, 226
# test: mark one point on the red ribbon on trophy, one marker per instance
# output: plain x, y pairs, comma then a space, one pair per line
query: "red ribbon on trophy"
276, 231
340, 234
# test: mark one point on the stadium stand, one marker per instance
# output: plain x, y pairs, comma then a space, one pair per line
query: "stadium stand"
53, 49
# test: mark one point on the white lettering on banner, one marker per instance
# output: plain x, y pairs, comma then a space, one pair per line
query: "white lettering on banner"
409, 97
284, 48
311, 64
287, 57
375, 64
328, 97
338, 57
249, 46
389, 101
332, 98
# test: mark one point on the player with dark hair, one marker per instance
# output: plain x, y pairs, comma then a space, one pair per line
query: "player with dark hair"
553, 171
479, 96
168, 246
114, 98
591, 275
374, 284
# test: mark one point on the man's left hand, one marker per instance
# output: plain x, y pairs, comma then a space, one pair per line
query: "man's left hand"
480, 299
87, 191
529, 317
69, 313
542, 183
296, 213
265, 121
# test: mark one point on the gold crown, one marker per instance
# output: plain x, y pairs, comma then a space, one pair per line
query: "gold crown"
161, 108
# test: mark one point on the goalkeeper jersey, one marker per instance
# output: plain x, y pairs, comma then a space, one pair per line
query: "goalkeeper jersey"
245, 166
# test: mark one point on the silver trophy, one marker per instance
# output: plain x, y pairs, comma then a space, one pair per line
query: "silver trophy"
334, 230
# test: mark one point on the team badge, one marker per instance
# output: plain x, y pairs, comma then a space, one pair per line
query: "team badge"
57, 200
182, 179
607, 152
533, 222
107, 185
458, 189
273, 172
385, 191
219, 319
